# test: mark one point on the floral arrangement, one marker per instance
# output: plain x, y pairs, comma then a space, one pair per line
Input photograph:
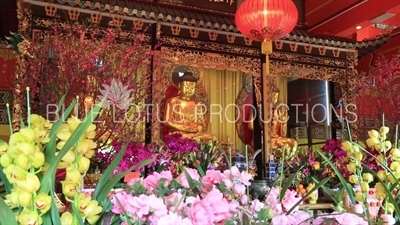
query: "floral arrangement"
338, 156
196, 198
134, 154
386, 179
28, 169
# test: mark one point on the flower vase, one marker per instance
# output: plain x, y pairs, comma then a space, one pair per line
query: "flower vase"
313, 198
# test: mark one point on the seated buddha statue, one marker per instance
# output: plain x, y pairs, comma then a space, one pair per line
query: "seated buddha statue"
279, 141
184, 115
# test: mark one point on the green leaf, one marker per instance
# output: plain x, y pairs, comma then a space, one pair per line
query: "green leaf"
6, 214
286, 185
191, 182
347, 187
72, 141
108, 186
323, 182
107, 174
7, 185
76, 214
51, 145
55, 214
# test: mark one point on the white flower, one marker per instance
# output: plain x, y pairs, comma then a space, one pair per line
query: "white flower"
116, 94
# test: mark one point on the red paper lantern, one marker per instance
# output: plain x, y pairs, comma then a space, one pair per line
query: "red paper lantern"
266, 20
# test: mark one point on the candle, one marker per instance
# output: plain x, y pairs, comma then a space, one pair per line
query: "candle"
28, 107
247, 159
9, 117
77, 106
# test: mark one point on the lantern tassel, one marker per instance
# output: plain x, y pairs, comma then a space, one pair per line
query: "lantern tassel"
266, 47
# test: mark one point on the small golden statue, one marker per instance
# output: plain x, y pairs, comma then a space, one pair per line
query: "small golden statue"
184, 115
279, 141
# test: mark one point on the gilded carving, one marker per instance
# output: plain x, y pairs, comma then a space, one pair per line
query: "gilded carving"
293, 47
322, 51
225, 48
197, 60
137, 25
308, 48
175, 30
248, 41
50, 10
278, 45
117, 20
96, 17
212, 35
230, 38
194, 32
336, 52
49, 23
73, 14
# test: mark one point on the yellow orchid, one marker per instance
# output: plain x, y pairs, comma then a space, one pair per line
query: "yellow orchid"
14, 173
354, 179
359, 197
27, 148
91, 212
41, 136
373, 134
83, 202
395, 153
372, 142
73, 175
91, 132
24, 198
23, 162
395, 166
384, 130
367, 177
73, 122
70, 189
67, 218
381, 174
3, 148
28, 134
43, 202
37, 159
12, 199
346, 145
83, 164
352, 167
30, 184
388, 145
5, 160
28, 217
86, 146
379, 187
380, 159
69, 157
364, 187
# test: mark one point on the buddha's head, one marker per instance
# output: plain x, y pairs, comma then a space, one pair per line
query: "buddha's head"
275, 96
187, 84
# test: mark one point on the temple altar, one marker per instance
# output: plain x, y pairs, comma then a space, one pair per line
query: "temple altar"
207, 40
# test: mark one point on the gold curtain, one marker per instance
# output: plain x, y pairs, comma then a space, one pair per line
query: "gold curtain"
222, 88
283, 90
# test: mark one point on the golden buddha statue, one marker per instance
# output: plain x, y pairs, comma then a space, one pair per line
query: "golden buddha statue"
279, 141
184, 115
